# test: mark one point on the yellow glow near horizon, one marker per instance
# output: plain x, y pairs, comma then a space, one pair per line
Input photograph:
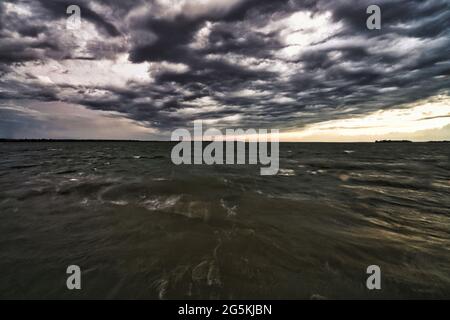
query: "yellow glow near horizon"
423, 120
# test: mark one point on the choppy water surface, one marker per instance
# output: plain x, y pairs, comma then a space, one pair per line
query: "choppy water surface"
140, 227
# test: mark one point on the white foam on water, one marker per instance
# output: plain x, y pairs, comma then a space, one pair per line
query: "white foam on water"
207, 272
160, 179
161, 203
286, 172
120, 203
231, 211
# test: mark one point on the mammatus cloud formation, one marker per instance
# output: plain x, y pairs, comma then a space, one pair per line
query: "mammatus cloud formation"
140, 69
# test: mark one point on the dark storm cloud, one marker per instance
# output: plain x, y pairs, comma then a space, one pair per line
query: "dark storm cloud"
57, 10
222, 59
173, 35
394, 11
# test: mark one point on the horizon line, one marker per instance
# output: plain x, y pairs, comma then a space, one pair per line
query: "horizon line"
138, 140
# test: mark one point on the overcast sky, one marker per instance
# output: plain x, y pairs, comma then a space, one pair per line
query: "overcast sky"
140, 69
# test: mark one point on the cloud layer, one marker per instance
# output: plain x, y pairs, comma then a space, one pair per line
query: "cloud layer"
283, 64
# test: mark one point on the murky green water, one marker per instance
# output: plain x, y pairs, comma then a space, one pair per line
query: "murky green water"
140, 227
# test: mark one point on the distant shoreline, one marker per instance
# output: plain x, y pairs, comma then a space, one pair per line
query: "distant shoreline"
76, 140
165, 141
408, 141
393, 141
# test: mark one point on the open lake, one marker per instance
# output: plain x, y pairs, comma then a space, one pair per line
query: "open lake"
140, 227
